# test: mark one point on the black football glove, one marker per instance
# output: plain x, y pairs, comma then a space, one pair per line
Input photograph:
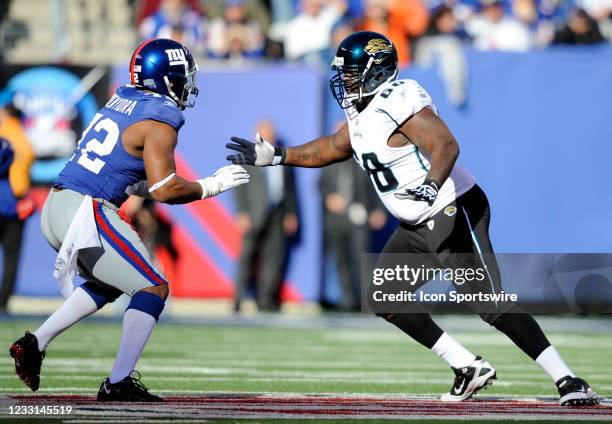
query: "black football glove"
260, 153
426, 192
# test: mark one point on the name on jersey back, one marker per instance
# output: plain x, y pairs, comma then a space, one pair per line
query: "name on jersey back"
121, 105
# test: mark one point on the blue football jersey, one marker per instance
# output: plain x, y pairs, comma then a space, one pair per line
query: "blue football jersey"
100, 166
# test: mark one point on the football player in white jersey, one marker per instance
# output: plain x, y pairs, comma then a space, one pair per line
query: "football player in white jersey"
394, 132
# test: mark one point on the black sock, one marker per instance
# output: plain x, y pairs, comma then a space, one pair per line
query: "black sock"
418, 326
524, 331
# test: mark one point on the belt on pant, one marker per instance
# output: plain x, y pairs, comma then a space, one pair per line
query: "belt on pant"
96, 199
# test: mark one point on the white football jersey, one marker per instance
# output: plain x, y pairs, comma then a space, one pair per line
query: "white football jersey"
393, 169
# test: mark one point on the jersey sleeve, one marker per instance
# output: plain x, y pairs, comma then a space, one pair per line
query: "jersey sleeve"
405, 99
163, 111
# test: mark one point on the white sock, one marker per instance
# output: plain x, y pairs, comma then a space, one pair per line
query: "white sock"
137, 327
78, 306
552, 363
452, 352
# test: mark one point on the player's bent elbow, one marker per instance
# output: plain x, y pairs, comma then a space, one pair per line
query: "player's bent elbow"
452, 149
172, 198
457, 150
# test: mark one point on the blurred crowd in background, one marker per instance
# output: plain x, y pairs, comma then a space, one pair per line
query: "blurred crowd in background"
307, 30
238, 33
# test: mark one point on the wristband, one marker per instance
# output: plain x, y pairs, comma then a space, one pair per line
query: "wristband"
279, 156
432, 182
161, 183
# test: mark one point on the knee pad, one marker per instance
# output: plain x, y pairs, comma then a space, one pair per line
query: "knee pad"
101, 294
148, 303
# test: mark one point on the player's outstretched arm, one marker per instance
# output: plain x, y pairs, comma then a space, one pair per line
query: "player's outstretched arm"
167, 187
429, 133
317, 153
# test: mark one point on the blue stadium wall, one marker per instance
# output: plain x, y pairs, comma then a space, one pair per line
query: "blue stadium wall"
536, 131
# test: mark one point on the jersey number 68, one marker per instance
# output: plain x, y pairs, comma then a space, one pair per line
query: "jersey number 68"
381, 175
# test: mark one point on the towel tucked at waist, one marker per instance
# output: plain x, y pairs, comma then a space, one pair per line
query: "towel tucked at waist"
82, 234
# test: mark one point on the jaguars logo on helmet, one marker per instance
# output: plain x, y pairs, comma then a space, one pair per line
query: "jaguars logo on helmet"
378, 45
364, 61
165, 67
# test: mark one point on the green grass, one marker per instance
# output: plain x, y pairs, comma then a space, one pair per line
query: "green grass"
186, 357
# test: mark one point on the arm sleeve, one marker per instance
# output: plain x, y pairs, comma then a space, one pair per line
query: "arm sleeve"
405, 100
163, 111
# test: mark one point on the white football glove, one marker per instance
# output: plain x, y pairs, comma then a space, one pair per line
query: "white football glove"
260, 153
229, 176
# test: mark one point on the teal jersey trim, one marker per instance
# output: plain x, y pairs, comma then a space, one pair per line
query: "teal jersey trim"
416, 152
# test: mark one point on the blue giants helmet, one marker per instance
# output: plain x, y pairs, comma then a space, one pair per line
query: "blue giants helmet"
165, 67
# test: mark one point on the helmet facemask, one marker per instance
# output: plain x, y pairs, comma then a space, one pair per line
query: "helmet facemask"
352, 83
346, 84
189, 92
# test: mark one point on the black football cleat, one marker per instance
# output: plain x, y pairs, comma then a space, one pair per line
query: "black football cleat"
28, 360
130, 389
469, 380
574, 391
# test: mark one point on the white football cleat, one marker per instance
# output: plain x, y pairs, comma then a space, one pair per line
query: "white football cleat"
469, 380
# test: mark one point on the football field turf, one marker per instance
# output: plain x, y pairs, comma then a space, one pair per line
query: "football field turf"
269, 372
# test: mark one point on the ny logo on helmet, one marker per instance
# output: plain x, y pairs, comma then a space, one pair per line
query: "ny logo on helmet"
177, 57
376, 46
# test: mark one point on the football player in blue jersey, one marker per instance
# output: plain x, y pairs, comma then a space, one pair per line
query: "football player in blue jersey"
128, 148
